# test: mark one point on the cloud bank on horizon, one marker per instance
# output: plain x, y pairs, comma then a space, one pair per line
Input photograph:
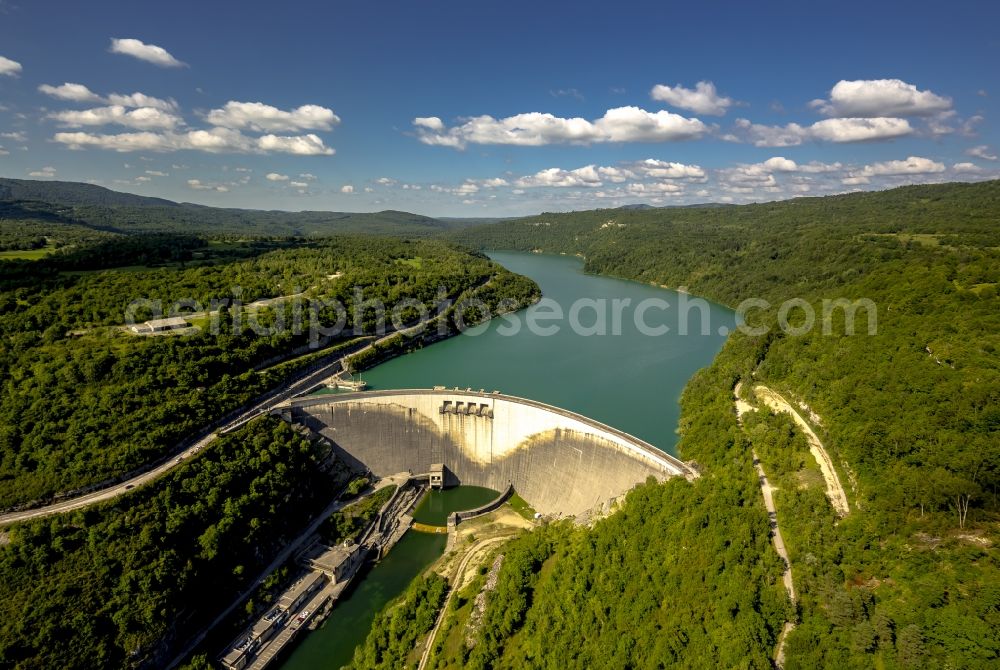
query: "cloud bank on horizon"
679, 141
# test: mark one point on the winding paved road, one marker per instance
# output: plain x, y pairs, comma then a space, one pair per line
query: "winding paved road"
298, 385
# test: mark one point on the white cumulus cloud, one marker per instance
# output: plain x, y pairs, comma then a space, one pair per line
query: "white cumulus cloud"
429, 122
300, 145
761, 135
146, 52
122, 142
266, 118
274, 176
142, 118
982, 151
911, 165
859, 130
780, 164
702, 99
10, 68
199, 185
493, 182
467, 188
880, 97
215, 140
622, 124
756, 180
69, 91
80, 93
656, 188
587, 175
142, 100
46, 172
828, 130
615, 175
817, 167
657, 169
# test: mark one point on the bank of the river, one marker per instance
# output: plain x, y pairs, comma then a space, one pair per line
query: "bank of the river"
332, 645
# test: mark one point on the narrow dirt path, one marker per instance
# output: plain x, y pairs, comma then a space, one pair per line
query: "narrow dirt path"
458, 581
742, 407
779, 542
834, 490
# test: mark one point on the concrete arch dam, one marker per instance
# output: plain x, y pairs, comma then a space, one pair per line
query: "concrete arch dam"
561, 462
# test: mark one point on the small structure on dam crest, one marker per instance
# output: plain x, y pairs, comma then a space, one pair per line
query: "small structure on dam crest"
563, 463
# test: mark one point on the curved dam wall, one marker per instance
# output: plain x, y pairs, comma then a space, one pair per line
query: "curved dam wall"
561, 462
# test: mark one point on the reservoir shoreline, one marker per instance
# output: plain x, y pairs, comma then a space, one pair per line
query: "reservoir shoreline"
631, 382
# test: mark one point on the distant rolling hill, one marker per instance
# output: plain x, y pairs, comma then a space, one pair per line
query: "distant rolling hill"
90, 207
74, 193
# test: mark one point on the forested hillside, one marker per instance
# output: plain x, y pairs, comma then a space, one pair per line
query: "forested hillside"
72, 193
684, 574
125, 583
84, 400
38, 206
923, 392
911, 415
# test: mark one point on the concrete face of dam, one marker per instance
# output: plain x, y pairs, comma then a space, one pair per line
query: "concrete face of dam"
560, 462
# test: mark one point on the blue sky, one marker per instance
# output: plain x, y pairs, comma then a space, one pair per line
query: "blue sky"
476, 109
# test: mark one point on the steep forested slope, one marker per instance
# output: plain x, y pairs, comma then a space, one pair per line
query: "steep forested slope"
910, 414
924, 390
124, 584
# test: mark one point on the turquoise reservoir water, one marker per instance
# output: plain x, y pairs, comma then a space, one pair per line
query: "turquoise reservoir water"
631, 381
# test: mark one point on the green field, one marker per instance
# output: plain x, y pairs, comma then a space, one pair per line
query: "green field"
26, 254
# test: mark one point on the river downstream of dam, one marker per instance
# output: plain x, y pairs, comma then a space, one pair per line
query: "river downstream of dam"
627, 378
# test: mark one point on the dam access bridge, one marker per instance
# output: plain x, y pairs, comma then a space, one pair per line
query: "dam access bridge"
562, 463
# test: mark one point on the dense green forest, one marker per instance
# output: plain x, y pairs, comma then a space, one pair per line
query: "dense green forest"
910, 414
683, 575
126, 582
85, 401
